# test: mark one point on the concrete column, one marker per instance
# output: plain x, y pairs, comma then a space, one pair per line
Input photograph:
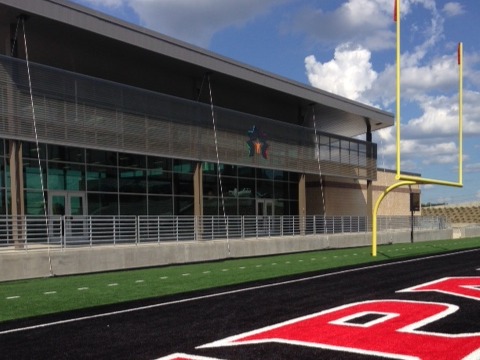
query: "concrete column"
302, 203
16, 192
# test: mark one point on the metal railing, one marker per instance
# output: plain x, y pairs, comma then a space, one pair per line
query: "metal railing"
37, 232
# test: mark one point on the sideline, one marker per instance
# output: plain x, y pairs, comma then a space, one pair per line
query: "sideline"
230, 292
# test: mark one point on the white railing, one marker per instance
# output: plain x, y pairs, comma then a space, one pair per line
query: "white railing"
36, 232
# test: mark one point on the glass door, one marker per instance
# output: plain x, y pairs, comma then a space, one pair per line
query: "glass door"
265, 207
265, 212
70, 205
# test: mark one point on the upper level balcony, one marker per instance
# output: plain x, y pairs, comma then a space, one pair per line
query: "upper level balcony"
77, 110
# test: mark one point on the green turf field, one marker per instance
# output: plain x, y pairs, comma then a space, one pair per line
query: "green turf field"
27, 298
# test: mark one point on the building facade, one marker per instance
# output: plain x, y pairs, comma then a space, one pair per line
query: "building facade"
100, 117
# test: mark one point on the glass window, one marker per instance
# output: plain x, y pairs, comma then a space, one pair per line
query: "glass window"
211, 205
281, 190
2, 147
133, 205
132, 181
230, 186
34, 203
63, 176
102, 204
159, 182
132, 160
183, 184
210, 185
160, 205
281, 175
101, 178
264, 189
183, 166
159, 163
183, 205
228, 170
247, 172
246, 188
29, 150
64, 153
3, 203
209, 168
265, 174
101, 157
31, 174
2, 172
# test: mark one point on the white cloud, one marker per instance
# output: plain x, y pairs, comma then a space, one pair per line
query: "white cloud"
192, 21
363, 22
348, 74
453, 9
440, 116
196, 21
472, 168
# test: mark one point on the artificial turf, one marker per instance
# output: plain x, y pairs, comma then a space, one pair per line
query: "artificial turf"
28, 298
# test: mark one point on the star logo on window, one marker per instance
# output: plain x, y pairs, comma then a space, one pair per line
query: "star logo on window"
257, 144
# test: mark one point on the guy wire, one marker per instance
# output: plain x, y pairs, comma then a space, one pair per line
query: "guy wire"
37, 145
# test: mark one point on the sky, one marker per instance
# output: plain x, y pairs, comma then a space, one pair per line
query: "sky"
347, 47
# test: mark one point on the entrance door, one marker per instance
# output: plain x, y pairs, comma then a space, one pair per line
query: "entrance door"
265, 212
265, 207
71, 206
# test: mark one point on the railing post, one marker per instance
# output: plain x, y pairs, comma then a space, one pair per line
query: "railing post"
90, 230
137, 230
176, 228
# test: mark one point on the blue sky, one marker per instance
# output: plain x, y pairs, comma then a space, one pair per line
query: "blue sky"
348, 47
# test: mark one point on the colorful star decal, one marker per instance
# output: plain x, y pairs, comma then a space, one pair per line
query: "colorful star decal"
257, 143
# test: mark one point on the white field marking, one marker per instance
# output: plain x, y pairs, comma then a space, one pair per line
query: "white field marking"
231, 292
164, 277
186, 274
139, 281
49, 292
225, 270
82, 288
287, 262
185, 356
274, 264
207, 272
300, 260
313, 259
260, 265
13, 297
113, 284
242, 267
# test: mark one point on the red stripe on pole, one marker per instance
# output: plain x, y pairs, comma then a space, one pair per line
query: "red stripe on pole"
459, 55
395, 11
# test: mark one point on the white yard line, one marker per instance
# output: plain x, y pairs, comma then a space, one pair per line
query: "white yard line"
225, 293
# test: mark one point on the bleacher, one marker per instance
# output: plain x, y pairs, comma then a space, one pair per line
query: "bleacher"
456, 214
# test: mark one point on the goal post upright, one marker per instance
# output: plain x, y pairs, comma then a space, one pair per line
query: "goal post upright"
403, 179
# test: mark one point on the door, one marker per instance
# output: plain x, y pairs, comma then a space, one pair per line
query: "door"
265, 207
71, 206
265, 212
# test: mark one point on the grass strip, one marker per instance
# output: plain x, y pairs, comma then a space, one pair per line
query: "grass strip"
28, 298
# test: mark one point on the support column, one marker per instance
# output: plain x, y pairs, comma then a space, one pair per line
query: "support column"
302, 203
198, 199
16, 192
369, 194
